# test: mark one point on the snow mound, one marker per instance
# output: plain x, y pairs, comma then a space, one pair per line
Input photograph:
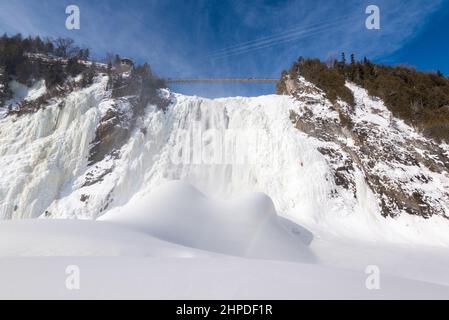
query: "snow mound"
177, 212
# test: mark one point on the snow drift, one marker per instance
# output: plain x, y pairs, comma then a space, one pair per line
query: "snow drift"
178, 213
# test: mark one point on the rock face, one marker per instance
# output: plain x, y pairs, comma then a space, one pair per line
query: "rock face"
407, 172
112, 131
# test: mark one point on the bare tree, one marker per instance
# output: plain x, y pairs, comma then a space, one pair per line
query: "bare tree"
65, 48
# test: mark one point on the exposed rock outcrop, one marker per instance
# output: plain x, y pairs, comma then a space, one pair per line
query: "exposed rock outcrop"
407, 172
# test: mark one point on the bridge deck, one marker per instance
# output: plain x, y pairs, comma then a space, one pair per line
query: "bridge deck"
222, 80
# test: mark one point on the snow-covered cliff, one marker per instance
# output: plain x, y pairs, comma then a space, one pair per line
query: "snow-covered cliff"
377, 179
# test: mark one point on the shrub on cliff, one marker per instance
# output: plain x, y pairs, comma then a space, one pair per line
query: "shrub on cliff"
327, 79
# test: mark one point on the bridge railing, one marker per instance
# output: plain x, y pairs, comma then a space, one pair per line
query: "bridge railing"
222, 80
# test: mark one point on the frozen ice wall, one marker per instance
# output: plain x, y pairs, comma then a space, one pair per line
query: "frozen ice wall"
224, 147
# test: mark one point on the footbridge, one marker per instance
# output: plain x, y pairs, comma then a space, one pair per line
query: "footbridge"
222, 80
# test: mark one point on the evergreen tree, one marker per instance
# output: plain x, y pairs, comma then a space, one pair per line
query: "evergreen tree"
4, 87
353, 76
352, 59
12, 55
343, 59
84, 54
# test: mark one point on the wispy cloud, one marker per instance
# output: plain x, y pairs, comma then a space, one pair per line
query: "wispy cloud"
341, 26
288, 35
185, 38
15, 17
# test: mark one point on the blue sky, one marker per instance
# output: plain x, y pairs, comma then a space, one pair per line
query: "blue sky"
236, 38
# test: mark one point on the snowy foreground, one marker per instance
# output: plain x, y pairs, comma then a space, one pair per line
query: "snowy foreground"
262, 220
155, 249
